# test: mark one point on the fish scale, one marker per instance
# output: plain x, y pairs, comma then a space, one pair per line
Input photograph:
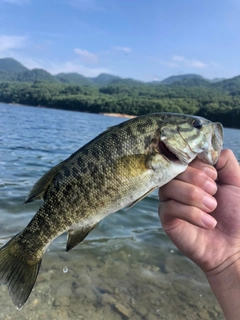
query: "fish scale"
115, 170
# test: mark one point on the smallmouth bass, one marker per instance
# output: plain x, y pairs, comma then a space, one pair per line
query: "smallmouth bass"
113, 171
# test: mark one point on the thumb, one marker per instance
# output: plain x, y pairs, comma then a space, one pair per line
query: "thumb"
228, 168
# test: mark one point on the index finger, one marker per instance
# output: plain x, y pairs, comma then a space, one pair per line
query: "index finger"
198, 172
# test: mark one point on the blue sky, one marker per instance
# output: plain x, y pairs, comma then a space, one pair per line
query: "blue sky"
142, 39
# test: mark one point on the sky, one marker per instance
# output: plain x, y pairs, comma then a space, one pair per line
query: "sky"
140, 39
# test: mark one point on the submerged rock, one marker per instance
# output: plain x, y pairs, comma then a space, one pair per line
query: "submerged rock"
124, 311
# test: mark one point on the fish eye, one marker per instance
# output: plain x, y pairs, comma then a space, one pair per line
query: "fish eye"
197, 123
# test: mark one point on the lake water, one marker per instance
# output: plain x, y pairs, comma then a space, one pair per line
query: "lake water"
127, 268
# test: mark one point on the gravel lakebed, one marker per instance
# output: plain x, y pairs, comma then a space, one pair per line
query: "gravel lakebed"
116, 282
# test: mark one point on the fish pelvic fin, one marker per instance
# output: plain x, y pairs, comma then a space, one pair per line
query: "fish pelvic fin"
17, 273
75, 236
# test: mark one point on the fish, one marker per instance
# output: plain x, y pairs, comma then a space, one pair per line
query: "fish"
115, 170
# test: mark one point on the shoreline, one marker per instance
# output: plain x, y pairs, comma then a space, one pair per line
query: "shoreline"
119, 115
108, 114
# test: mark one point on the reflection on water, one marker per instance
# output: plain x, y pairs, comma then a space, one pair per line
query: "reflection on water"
127, 268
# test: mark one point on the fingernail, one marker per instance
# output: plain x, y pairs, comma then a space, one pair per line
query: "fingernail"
210, 171
209, 221
209, 202
210, 187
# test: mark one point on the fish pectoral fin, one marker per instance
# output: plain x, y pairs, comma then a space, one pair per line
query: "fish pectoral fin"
142, 197
41, 186
75, 236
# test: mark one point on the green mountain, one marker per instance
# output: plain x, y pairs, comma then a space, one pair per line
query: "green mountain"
179, 78
35, 75
13, 71
217, 80
191, 82
190, 94
74, 78
11, 65
231, 86
78, 79
128, 82
104, 79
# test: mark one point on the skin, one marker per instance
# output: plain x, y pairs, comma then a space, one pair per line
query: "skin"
200, 212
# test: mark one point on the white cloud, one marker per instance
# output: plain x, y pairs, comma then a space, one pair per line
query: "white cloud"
169, 64
54, 68
189, 62
123, 49
195, 63
74, 66
30, 63
179, 61
86, 55
178, 58
18, 2
152, 77
215, 64
11, 42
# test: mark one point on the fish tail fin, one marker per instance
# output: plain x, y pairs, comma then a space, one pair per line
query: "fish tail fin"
17, 272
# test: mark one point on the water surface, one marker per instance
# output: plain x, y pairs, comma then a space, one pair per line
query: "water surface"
127, 268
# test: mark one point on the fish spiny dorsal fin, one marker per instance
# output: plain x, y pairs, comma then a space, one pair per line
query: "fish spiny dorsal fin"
41, 186
75, 236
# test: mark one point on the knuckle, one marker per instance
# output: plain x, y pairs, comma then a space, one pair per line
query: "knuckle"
193, 194
166, 206
228, 153
162, 195
199, 178
167, 191
170, 204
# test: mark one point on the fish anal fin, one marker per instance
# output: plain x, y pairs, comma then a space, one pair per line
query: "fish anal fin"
75, 236
142, 197
42, 185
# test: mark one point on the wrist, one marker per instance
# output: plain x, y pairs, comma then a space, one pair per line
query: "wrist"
225, 283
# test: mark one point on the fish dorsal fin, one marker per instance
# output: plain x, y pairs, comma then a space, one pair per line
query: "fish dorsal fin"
142, 197
75, 236
41, 186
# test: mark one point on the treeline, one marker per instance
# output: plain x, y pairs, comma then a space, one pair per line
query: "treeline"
217, 102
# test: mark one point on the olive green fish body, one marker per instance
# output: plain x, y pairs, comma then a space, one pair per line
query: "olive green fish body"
114, 170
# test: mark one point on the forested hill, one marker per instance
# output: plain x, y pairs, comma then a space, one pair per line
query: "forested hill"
12, 70
192, 94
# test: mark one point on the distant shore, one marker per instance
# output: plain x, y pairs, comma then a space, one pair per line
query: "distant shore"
120, 115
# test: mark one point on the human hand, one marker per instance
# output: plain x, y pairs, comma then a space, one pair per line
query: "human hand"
202, 217
203, 220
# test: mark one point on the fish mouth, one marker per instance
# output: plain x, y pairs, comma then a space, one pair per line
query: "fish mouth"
163, 149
